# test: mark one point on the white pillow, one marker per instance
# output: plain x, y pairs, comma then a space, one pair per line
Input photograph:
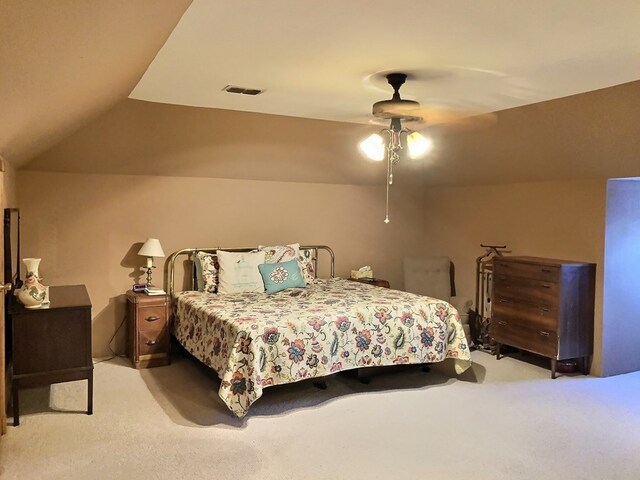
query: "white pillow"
238, 272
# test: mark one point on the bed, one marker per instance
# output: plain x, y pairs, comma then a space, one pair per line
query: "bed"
255, 340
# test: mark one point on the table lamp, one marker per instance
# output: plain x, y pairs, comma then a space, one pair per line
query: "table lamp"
150, 249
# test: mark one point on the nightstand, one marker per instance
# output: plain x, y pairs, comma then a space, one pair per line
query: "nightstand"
52, 344
148, 330
378, 282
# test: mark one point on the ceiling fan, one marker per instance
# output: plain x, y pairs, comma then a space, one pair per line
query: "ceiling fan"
417, 115
398, 110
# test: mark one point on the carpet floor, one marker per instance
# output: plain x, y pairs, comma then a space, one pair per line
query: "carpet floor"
499, 420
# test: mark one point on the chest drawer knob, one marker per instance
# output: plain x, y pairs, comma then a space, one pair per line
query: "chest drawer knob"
543, 333
502, 300
545, 285
152, 318
156, 341
544, 309
502, 322
546, 270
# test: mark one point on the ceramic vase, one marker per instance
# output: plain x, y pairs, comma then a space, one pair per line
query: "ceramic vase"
33, 293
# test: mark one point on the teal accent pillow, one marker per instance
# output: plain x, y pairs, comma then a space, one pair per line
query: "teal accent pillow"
280, 276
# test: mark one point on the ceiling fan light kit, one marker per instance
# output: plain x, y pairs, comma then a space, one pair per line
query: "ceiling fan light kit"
396, 109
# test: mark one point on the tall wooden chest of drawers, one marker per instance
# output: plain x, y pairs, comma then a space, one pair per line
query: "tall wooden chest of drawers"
544, 306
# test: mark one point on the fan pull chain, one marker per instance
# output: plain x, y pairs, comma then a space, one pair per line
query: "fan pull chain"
389, 183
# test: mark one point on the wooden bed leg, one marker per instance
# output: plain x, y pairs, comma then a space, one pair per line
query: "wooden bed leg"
426, 368
321, 384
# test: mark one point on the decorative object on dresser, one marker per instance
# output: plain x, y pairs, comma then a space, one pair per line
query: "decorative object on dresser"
148, 330
362, 272
378, 282
151, 249
544, 306
32, 294
52, 344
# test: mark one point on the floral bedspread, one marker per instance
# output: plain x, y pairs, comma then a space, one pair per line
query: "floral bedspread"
255, 340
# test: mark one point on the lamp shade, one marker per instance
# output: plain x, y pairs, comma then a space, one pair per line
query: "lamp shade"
373, 147
418, 144
151, 248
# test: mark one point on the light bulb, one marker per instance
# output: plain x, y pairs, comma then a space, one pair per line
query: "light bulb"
418, 144
373, 147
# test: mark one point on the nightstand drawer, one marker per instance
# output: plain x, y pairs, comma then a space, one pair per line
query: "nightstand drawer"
548, 273
152, 318
544, 342
153, 342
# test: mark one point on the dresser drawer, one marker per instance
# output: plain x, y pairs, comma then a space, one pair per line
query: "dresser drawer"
541, 341
152, 318
541, 313
527, 314
525, 289
548, 273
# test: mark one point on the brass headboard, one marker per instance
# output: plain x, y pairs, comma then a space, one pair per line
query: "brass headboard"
189, 252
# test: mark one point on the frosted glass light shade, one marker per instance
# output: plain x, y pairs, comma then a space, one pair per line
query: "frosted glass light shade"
151, 248
418, 144
373, 147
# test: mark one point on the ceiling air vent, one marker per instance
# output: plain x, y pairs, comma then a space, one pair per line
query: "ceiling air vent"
242, 90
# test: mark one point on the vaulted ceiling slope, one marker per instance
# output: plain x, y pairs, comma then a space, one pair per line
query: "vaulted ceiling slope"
63, 63
585, 136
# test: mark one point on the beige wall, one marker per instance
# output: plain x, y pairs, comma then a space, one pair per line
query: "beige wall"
85, 227
548, 219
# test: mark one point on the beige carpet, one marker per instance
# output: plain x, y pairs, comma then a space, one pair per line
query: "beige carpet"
504, 420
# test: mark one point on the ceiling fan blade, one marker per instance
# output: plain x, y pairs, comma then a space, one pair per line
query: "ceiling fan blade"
446, 117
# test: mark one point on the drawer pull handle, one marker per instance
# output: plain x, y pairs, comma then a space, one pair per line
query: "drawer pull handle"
544, 309
544, 334
546, 270
502, 322
502, 300
152, 318
152, 342
545, 285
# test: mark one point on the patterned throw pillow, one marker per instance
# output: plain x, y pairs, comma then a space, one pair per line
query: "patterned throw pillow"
280, 253
238, 272
280, 276
284, 253
206, 272
305, 259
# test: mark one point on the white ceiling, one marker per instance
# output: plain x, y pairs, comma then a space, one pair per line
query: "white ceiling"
319, 59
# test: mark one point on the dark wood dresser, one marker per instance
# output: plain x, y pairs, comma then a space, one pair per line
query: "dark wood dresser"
52, 344
148, 339
544, 306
